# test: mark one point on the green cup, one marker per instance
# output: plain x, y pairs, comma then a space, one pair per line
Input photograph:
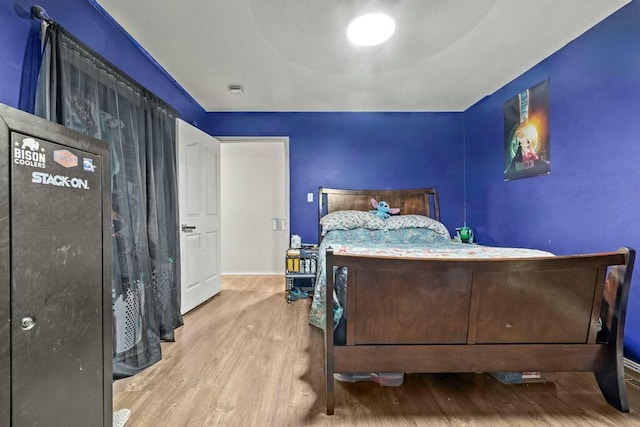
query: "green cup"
465, 234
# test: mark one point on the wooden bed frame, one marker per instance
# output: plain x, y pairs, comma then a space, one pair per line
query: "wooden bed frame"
476, 315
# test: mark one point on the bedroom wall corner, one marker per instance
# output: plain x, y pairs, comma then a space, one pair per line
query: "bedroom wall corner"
587, 203
87, 24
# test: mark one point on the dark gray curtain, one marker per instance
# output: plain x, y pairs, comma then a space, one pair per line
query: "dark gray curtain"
81, 90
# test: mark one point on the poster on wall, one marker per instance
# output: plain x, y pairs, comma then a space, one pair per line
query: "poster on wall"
526, 133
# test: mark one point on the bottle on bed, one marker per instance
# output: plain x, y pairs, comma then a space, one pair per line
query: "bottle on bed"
464, 234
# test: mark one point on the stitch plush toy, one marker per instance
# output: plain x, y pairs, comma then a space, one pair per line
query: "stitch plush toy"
382, 209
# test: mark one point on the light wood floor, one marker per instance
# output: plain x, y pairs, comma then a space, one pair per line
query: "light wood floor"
247, 358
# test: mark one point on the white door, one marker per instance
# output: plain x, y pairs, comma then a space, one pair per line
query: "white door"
255, 205
199, 198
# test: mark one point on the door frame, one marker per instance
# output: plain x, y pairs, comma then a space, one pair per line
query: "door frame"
287, 183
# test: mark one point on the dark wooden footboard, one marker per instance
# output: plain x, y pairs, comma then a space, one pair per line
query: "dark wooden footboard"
453, 315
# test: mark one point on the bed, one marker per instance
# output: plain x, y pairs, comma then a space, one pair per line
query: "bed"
443, 306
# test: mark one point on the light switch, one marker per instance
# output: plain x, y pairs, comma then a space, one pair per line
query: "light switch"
309, 197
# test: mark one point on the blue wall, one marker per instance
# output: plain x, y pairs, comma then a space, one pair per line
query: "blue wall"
587, 204
589, 201
359, 150
86, 23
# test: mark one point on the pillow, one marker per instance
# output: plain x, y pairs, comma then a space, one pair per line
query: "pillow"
396, 222
350, 220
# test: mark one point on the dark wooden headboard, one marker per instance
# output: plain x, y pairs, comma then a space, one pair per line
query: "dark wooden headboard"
418, 201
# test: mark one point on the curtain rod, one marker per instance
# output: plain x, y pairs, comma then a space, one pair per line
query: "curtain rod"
38, 12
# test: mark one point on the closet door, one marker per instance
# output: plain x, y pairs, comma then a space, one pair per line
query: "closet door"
199, 198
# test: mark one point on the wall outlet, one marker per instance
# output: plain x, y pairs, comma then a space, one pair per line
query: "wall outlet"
309, 197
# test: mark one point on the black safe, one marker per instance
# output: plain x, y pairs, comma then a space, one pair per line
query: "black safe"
55, 275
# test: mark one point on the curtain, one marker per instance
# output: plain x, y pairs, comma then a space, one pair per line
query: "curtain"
79, 89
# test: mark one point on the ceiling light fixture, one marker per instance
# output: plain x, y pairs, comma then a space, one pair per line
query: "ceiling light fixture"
371, 29
236, 89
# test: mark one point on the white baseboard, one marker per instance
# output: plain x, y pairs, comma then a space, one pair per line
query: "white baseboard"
632, 365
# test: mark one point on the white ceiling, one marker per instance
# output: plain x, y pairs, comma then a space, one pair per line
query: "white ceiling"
293, 55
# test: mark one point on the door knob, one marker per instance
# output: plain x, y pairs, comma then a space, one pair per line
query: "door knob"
188, 228
27, 323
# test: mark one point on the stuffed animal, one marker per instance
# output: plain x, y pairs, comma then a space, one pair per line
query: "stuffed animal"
382, 209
